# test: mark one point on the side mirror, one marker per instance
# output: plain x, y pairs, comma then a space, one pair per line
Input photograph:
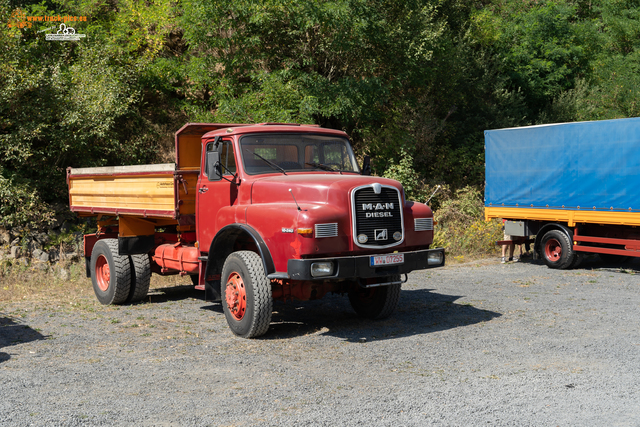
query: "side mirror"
213, 169
366, 166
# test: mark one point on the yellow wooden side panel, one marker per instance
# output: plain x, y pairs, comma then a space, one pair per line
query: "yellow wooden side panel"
189, 148
130, 193
571, 217
188, 198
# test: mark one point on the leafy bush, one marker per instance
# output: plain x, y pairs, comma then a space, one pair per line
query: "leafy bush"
461, 228
21, 206
413, 184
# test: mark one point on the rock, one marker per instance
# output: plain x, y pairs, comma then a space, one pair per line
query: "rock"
65, 227
42, 238
36, 253
54, 255
15, 241
33, 245
73, 256
44, 257
5, 237
63, 273
41, 266
15, 252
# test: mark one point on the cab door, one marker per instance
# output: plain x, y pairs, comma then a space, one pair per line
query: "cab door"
215, 194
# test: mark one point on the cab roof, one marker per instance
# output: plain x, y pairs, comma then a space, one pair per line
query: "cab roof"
235, 129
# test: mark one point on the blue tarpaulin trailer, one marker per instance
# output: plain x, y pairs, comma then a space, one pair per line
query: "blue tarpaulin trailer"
576, 186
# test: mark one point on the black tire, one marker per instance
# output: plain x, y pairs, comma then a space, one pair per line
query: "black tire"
140, 277
375, 303
248, 311
195, 279
556, 250
110, 273
578, 257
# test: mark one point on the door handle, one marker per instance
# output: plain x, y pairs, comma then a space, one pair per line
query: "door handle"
203, 190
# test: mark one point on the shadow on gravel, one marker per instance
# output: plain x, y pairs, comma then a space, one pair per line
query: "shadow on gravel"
173, 293
12, 332
419, 312
622, 265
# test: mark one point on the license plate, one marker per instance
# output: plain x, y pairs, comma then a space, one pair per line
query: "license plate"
387, 259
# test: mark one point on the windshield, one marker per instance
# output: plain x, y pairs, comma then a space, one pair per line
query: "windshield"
296, 153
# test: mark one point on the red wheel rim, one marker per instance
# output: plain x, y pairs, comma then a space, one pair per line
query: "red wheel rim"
236, 296
103, 273
552, 250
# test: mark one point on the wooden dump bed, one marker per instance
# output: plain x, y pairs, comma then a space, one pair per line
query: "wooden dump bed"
148, 191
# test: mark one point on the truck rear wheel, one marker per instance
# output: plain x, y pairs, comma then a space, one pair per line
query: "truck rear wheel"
140, 277
110, 273
375, 303
556, 250
246, 294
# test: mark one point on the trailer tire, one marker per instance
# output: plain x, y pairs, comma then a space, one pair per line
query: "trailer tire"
246, 294
578, 257
375, 303
110, 273
556, 250
140, 277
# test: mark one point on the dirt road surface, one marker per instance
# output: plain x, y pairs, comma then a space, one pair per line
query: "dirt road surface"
475, 344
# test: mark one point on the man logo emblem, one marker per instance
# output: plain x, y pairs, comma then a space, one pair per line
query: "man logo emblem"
381, 234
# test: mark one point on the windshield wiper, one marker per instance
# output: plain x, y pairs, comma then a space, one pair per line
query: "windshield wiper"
270, 163
323, 167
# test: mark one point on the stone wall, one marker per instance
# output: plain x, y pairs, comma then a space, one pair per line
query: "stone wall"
40, 250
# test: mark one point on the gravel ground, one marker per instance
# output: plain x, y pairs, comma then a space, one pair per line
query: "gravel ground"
475, 344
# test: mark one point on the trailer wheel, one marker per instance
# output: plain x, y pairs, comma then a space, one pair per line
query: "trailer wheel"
246, 294
140, 277
110, 273
556, 250
375, 303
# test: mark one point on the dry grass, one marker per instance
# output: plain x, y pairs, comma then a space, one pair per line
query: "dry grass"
60, 283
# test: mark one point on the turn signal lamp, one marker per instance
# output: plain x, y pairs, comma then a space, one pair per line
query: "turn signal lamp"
305, 231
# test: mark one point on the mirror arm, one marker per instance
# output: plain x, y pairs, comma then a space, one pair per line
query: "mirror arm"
235, 175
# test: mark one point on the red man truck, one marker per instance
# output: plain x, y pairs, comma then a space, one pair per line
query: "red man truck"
254, 213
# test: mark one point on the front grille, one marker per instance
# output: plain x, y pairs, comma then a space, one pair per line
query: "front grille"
377, 218
327, 230
423, 224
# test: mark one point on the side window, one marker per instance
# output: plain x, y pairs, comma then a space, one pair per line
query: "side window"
227, 158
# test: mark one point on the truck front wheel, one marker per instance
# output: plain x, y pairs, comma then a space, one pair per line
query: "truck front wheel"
110, 273
556, 250
246, 294
375, 303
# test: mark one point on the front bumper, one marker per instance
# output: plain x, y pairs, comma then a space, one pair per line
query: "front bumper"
359, 267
